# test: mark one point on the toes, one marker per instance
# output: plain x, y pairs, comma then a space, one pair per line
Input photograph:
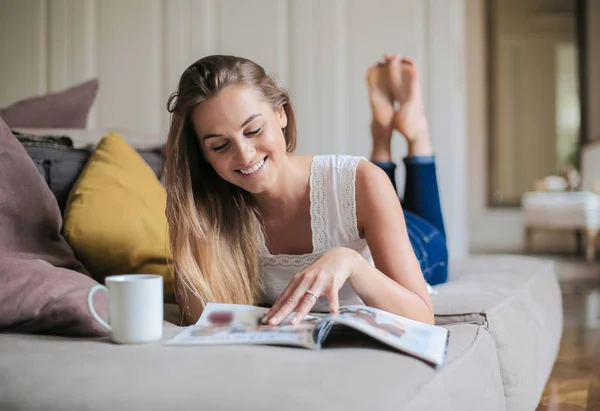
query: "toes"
395, 76
392, 56
409, 72
372, 73
410, 67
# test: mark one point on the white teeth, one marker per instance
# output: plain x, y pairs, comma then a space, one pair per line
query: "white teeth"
254, 169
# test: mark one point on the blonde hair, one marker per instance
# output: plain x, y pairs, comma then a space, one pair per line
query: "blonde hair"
213, 224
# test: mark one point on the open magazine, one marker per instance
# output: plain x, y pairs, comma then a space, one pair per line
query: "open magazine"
242, 324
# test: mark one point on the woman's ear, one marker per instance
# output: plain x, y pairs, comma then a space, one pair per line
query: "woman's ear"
282, 117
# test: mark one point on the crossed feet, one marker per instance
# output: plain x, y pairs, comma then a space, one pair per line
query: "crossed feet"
397, 104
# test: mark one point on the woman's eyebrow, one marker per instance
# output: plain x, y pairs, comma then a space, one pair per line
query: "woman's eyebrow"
249, 119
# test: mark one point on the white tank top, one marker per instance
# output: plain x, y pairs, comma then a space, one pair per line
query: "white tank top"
333, 224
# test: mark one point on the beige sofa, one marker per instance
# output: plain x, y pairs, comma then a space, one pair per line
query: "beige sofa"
504, 314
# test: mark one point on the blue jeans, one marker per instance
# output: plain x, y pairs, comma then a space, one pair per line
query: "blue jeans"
423, 215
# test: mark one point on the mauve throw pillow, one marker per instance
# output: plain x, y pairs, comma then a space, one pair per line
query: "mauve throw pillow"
64, 109
43, 288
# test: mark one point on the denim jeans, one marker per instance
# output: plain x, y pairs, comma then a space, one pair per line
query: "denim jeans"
423, 215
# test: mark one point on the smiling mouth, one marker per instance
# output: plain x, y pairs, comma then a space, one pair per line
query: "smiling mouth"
258, 166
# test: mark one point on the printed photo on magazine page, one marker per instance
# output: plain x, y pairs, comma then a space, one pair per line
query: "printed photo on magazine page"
241, 324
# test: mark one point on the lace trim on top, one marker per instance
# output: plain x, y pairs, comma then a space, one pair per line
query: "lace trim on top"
318, 206
262, 244
284, 260
318, 216
289, 260
303, 260
348, 185
318, 223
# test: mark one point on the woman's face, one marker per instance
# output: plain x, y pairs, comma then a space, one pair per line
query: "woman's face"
241, 136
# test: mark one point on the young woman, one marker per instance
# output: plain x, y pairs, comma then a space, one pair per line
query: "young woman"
252, 223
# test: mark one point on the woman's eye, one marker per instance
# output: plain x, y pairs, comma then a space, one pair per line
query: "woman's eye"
251, 133
221, 147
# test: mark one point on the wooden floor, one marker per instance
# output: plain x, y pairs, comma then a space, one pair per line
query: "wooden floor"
575, 380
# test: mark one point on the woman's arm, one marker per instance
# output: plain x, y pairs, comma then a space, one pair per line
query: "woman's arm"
396, 283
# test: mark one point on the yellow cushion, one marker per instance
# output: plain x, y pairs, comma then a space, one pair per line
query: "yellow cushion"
115, 216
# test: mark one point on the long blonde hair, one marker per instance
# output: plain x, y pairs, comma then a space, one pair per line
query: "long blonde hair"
213, 224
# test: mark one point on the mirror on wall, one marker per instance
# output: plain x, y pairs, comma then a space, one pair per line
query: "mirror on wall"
534, 94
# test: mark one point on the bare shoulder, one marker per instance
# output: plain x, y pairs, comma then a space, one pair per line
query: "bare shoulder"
373, 183
374, 193
368, 174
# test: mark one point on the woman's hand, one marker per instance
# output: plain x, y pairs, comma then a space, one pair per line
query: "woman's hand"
323, 277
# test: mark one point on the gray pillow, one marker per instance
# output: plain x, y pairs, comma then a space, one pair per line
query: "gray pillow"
43, 287
64, 109
61, 166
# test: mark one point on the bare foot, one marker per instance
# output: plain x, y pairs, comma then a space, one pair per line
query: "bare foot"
409, 119
382, 105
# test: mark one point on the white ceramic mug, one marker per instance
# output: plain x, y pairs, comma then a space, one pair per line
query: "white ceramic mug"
135, 307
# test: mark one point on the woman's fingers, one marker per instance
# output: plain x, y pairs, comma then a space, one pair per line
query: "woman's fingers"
311, 295
290, 301
334, 300
285, 297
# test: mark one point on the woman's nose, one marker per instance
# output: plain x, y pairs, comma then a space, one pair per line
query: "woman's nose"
246, 153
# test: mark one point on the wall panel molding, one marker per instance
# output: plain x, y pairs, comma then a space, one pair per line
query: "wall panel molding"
303, 82
205, 25
85, 47
59, 44
43, 58
70, 40
447, 116
319, 50
177, 46
70, 45
130, 65
84, 32
282, 35
332, 20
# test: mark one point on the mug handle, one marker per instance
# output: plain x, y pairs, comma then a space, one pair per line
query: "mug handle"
93, 291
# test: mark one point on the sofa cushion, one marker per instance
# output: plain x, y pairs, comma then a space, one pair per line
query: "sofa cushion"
41, 281
64, 109
115, 215
518, 300
357, 375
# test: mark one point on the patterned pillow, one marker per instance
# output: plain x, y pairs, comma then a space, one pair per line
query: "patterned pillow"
51, 141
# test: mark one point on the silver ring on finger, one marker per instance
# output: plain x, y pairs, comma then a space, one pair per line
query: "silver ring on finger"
313, 294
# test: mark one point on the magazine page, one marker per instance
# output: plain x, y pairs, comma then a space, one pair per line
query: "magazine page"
241, 324
424, 341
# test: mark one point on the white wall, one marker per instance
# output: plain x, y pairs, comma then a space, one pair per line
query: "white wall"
319, 49
490, 229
